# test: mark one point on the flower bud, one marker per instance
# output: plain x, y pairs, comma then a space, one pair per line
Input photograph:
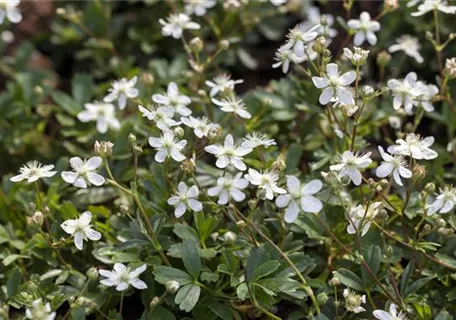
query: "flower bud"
214, 133
419, 171
382, 214
172, 286
92, 273
384, 183
153, 303
279, 165
334, 281
147, 78
440, 223
429, 188
224, 44
196, 45
383, 58
444, 231
137, 150
450, 67
230, 237
179, 132
36, 219
188, 165
319, 45
348, 111
132, 138
427, 228
103, 148
322, 298
241, 223
368, 91
390, 5
124, 209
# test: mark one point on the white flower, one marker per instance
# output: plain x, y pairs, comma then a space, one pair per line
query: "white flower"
81, 229
299, 197
10, 10
229, 153
444, 202
405, 92
40, 311
350, 165
353, 301
173, 99
427, 95
201, 126
162, 116
122, 277
430, 5
256, 139
198, 7
278, 3
229, 188
360, 215
34, 170
325, 21
233, 104
409, 45
334, 85
391, 315
357, 57
175, 25
83, 172
168, 146
414, 147
185, 198
365, 28
266, 181
121, 90
284, 55
103, 113
298, 37
222, 83
395, 165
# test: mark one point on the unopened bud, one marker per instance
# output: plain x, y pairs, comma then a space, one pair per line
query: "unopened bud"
390, 5
419, 171
103, 148
224, 44
179, 132
383, 58
241, 223
137, 150
196, 45
92, 273
368, 91
334, 281
440, 223
349, 110
124, 209
427, 228
253, 203
444, 231
188, 165
153, 303
147, 78
322, 298
132, 138
384, 183
319, 45
229, 237
172, 286
36, 219
382, 214
279, 165
429, 188
450, 67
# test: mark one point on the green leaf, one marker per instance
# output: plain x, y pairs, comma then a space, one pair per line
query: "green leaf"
220, 310
417, 285
81, 87
191, 258
164, 274
408, 271
185, 232
66, 102
11, 258
265, 269
187, 297
14, 280
160, 313
372, 256
349, 279
78, 313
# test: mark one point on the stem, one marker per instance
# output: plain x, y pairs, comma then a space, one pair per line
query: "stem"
121, 303
437, 39
306, 287
150, 229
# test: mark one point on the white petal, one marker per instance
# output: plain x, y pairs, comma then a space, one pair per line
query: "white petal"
122, 286
180, 210
78, 240
160, 156
283, 200
195, 205
293, 184
92, 234
95, 179
326, 96
139, 284
193, 192
320, 83
311, 204
382, 315
348, 78
312, 187
93, 163
384, 170
291, 213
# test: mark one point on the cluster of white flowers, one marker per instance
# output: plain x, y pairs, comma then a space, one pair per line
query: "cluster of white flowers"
409, 92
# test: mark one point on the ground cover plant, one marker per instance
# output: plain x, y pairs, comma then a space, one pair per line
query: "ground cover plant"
227, 160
